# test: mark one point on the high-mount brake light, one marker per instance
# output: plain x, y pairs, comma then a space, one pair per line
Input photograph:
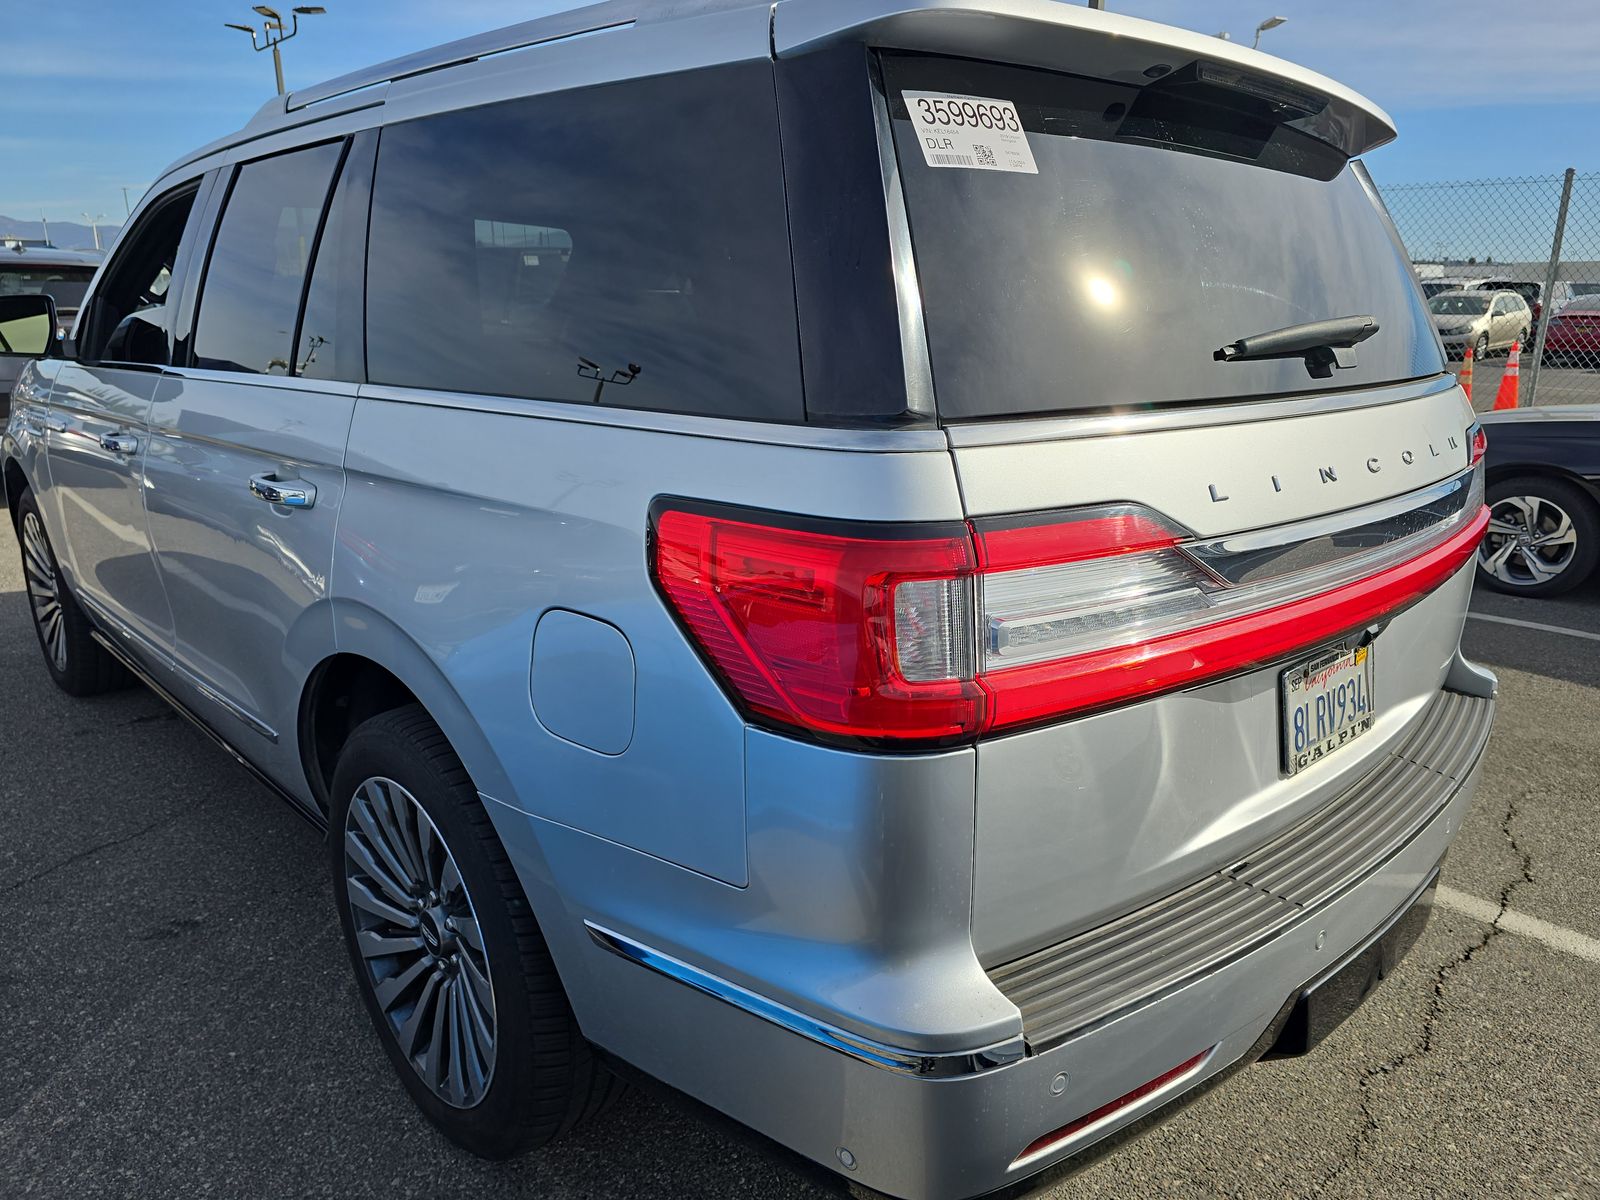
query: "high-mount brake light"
935, 635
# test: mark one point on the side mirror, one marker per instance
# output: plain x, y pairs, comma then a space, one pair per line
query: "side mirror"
27, 326
137, 339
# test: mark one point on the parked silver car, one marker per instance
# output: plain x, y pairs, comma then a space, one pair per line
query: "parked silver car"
934, 632
1486, 321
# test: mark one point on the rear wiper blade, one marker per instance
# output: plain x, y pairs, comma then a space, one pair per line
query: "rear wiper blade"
1323, 344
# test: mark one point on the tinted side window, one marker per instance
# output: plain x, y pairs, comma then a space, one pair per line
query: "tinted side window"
624, 243
331, 343
251, 294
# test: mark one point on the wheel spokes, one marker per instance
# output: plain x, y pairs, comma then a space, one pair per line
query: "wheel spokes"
1529, 541
378, 841
1537, 567
44, 593
361, 854
419, 941
364, 898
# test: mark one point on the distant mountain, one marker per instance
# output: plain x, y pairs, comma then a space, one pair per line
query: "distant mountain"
69, 235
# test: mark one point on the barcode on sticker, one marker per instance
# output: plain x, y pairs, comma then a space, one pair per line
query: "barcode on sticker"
952, 160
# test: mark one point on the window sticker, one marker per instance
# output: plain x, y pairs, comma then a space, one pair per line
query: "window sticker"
972, 132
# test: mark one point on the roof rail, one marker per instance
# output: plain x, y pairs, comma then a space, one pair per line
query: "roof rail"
591, 18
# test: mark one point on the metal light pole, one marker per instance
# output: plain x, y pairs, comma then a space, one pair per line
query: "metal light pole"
94, 227
1269, 23
274, 33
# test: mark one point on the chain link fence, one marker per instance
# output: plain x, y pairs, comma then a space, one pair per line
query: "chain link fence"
1538, 236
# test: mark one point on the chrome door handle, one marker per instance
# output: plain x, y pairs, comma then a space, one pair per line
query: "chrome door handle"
119, 443
56, 424
295, 493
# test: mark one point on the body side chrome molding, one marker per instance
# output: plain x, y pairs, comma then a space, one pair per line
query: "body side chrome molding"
877, 1054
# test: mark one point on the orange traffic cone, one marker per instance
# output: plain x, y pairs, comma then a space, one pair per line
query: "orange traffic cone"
1465, 378
1506, 397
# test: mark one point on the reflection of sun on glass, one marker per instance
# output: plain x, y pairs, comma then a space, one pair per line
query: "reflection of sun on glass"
1102, 291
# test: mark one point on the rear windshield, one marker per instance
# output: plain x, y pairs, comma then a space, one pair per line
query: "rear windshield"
1136, 231
64, 285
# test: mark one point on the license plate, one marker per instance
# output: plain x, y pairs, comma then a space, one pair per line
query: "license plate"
1327, 702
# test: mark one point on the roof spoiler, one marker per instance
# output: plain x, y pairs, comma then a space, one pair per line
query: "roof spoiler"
1083, 41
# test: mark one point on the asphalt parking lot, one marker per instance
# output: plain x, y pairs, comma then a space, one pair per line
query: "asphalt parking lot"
177, 1016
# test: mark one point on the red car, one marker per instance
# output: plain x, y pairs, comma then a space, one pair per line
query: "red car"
1574, 333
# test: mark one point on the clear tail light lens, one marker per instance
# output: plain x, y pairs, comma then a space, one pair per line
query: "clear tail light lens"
936, 635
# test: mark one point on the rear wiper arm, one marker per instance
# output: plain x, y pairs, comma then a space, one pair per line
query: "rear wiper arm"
1323, 344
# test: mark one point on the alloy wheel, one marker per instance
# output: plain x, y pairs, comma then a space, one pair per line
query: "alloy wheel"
44, 590
1530, 540
420, 941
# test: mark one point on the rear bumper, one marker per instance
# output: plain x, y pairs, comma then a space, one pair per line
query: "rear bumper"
955, 1124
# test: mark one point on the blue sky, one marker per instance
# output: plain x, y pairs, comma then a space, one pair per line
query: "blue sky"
101, 94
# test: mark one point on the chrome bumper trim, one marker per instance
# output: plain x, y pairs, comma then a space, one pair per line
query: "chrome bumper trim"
878, 1054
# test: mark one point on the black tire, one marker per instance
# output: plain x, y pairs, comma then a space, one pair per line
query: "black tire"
1481, 350
545, 1078
85, 668
1584, 514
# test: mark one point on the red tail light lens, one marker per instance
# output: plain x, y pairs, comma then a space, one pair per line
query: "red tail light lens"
802, 623
936, 635
1480, 442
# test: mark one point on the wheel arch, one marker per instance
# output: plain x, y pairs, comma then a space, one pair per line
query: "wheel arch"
1499, 473
13, 480
376, 667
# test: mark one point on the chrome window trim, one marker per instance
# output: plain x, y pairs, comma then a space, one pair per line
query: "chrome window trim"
915, 359
296, 383
874, 1053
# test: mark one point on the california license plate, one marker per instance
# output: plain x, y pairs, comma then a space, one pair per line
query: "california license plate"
1327, 703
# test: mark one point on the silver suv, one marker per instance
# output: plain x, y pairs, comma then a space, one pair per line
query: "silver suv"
896, 567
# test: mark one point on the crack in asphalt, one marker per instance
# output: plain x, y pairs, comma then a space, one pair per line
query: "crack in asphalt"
1370, 1126
108, 844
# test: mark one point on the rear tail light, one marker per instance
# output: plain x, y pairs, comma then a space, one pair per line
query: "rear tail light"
1480, 442
937, 635
865, 634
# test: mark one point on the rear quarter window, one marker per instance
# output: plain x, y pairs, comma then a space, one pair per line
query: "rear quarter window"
624, 244
1161, 223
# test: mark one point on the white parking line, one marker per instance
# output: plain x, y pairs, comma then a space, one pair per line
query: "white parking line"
1542, 628
1557, 937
